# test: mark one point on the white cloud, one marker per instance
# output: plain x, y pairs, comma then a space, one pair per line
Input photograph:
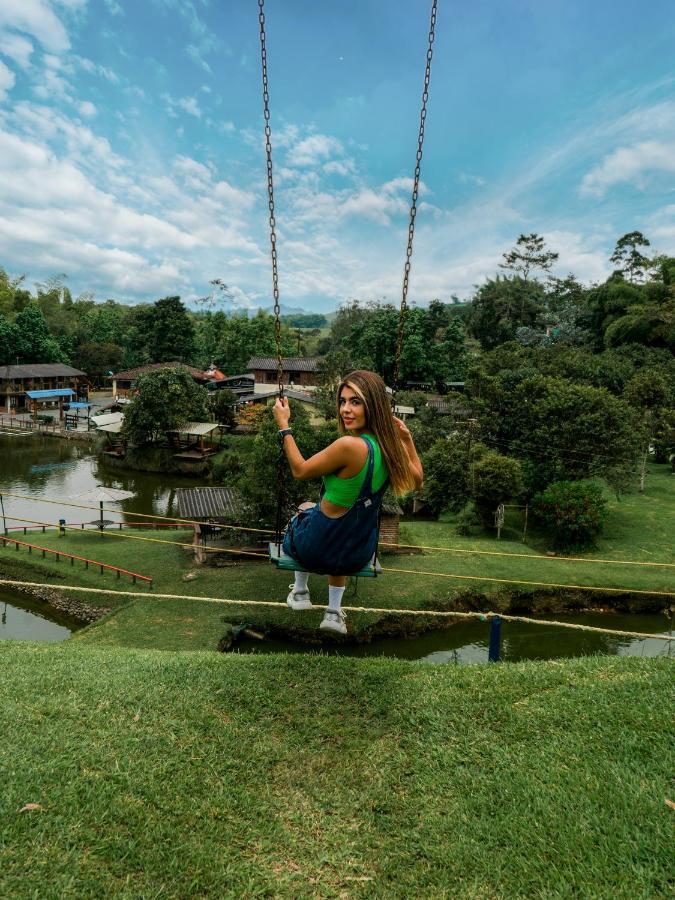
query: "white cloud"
313, 150
17, 48
196, 56
7, 80
632, 165
467, 178
190, 106
87, 109
37, 19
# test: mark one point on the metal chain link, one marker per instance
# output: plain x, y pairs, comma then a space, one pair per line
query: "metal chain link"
282, 499
415, 194
270, 197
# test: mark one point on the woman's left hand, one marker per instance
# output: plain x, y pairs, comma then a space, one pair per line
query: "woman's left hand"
403, 431
282, 412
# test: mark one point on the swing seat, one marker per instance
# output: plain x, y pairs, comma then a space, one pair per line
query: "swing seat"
282, 561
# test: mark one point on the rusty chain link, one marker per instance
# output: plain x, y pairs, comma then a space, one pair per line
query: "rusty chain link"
282, 500
270, 197
413, 204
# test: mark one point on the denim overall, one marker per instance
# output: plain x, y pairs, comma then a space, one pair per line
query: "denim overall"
339, 546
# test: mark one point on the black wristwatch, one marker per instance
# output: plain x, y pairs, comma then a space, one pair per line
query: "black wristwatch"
283, 432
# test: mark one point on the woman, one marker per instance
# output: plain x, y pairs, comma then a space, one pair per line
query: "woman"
375, 449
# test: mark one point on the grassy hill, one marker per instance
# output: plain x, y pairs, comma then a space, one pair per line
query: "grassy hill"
195, 774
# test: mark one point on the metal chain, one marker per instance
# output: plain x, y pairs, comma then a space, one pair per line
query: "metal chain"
415, 194
270, 196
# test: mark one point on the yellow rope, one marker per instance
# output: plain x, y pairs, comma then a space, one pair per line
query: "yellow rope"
135, 537
360, 609
178, 521
135, 515
594, 559
582, 587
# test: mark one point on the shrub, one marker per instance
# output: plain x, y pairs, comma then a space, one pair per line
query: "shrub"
494, 479
573, 511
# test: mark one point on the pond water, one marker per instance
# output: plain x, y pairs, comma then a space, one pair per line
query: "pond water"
60, 470
24, 619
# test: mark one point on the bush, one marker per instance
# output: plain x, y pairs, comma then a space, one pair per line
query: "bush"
573, 511
445, 482
494, 479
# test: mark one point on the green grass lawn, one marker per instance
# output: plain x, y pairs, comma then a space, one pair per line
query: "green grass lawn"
638, 527
195, 774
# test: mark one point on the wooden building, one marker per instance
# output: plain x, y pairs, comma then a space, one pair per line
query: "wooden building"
17, 381
124, 383
301, 372
211, 508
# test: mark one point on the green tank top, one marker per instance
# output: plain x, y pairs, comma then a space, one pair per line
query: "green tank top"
345, 491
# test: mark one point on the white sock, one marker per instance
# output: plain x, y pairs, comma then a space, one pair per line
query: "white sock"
301, 579
335, 598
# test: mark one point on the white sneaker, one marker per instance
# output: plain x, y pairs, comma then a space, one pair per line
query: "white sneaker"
334, 621
299, 600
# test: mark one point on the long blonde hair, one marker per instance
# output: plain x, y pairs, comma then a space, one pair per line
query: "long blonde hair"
380, 421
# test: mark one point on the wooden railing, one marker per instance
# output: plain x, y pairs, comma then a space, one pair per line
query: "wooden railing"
72, 557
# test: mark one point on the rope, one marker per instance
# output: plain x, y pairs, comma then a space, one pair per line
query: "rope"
594, 559
360, 609
546, 584
174, 519
179, 521
136, 537
579, 587
413, 203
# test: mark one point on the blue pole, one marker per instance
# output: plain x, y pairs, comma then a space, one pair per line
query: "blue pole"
495, 639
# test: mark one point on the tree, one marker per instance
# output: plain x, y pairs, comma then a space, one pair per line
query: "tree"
501, 306
223, 404
561, 430
8, 340
34, 343
446, 467
165, 401
98, 360
172, 333
494, 478
653, 397
573, 511
528, 254
629, 262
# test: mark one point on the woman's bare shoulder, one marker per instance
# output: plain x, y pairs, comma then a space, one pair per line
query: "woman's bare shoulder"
351, 447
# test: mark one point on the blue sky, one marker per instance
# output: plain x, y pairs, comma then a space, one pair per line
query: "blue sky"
131, 154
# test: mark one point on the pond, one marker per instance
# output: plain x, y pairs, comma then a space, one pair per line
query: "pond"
25, 619
467, 642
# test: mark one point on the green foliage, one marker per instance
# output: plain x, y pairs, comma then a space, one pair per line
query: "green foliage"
573, 511
433, 345
446, 465
528, 254
564, 431
305, 320
165, 401
494, 479
98, 360
628, 260
235, 339
33, 341
222, 404
171, 332
427, 427
259, 482
8, 342
501, 306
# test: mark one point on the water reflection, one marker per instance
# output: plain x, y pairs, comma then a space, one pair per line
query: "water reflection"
467, 642
28, 623
60, 470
